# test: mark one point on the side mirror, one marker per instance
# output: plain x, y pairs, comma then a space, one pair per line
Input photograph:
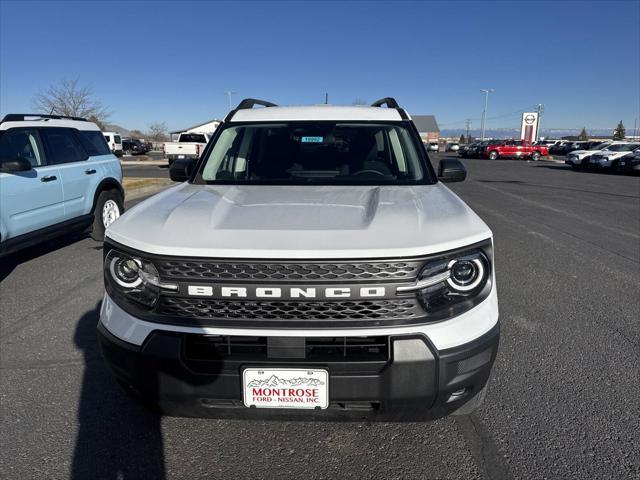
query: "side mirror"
181, 170
451, 170
15, 165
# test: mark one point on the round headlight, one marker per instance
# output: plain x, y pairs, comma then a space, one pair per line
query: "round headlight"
125, 271
466, 274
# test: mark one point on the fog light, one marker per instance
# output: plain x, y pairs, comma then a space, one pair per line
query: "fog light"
457, 395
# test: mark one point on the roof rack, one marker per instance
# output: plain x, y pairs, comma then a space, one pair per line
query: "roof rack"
390, 102
247, 104
20, 117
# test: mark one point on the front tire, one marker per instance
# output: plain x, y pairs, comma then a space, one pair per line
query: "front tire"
535, 156
109, 206
493, 155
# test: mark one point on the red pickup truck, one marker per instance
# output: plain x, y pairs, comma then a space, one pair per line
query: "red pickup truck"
515, 149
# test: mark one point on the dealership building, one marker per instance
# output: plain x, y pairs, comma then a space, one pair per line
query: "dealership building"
427, 127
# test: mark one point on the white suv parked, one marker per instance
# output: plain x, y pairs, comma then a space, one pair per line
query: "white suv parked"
311, 260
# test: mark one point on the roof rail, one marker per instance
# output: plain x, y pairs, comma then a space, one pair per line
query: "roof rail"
20, 117
390, 102
247, 104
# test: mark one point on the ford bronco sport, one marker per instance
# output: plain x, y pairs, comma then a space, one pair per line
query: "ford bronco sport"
57, 174
311, 259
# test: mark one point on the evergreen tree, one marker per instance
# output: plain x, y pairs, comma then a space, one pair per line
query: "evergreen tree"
620, 132
462, 138
583, 135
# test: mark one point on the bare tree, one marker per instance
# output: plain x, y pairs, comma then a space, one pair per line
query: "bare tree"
136, 133
158, 131
72, 99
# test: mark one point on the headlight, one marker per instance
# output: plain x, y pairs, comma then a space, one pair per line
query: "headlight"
453, 283
133, 279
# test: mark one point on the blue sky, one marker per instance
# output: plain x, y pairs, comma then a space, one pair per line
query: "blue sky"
172, 61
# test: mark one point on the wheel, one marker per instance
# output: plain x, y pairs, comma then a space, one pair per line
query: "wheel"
109, 207
535, 156
493, 155
473, 404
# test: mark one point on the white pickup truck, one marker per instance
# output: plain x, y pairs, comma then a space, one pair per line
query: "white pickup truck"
189, 145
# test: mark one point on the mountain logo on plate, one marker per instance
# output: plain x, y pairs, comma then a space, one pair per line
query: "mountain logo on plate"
275, 381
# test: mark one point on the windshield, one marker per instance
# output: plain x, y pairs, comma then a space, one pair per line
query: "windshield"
622, 147
323, 153
192, 138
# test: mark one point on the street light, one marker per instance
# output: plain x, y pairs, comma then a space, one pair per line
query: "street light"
228, 93
486, 91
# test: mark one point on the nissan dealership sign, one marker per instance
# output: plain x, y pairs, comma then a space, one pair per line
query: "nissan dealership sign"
529, 127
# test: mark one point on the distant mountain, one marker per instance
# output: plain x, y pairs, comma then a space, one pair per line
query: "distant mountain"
275, 381
514, 133
112, 127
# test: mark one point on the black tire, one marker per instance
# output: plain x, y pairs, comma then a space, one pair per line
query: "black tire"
493, 155
535, 156
114, 199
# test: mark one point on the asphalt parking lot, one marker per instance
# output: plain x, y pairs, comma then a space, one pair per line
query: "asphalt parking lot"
563, 400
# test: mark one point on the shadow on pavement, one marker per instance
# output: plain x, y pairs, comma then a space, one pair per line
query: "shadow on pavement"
117, 438
12, 260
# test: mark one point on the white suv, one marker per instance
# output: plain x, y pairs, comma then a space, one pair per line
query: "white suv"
311, 259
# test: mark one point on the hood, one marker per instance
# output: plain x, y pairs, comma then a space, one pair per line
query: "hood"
584, 152
258, 221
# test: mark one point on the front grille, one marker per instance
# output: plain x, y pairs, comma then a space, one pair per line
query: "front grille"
224, 347
289, 272
404, 309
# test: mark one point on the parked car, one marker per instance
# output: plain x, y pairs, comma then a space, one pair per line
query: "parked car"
558, 148
630, 163
114, 140
57, 174
374, 288
133, 146
604, 158
433, 146
189, 146
462, 150
571, 146
579, 158
453, 147
477, 149
515, 149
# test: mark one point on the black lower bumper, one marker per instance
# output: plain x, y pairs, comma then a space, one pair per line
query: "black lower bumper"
394, 377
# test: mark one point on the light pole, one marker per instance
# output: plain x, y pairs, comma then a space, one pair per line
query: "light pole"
228, 93
540, 112
486, 91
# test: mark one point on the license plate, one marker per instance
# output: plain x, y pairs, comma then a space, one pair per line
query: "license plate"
180, 156
285, 388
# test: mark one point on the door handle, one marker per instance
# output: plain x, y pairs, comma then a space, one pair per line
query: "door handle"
48, 178
91, 171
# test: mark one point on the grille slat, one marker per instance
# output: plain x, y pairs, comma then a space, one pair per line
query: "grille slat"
290, 272
285, 310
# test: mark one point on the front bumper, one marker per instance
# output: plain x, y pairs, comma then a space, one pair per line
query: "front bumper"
412, 378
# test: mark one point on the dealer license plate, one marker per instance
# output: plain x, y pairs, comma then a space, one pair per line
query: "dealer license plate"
285, 388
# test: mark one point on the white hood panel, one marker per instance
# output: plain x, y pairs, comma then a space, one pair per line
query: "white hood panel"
258, 221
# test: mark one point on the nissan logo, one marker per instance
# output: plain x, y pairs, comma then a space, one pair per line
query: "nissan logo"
529, 119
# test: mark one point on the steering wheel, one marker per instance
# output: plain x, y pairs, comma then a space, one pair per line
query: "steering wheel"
375, 172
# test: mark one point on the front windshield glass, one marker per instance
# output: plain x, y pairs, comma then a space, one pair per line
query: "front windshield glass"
323, 153
623, 147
